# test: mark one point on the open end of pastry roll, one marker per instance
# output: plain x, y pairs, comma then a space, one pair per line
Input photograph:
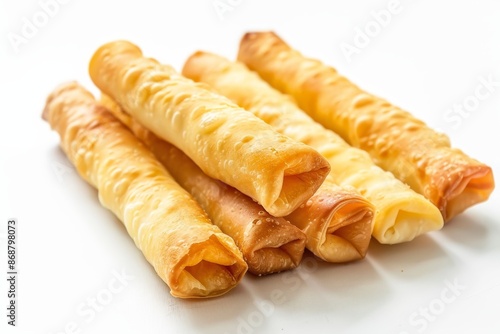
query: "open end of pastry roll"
404, 219
337, 224
348, 234
268, 244
457, 187
294, 183
266, 255
224, 140
189, 253
206, 271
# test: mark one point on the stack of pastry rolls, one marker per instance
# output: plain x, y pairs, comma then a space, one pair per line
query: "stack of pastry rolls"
401, 214
218, 202
268, 244
215, 173
232, 145
336, 221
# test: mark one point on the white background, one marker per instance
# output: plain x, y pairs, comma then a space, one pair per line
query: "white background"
428, 58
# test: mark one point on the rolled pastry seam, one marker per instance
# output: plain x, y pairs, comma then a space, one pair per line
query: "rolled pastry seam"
397, 141
401, 213
268, 244
189, 253
224, 140
337, 222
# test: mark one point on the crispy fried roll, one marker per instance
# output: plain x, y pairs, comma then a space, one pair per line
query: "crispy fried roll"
189, 253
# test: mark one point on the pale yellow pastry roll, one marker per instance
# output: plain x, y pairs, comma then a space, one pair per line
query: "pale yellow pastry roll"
225, 141
187, 251
268, 244
401, 213
397, 141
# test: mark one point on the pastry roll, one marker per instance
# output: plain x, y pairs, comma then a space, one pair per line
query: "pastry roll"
396, 141
337, 220
401, 214
268, 244
189, 253
225, 141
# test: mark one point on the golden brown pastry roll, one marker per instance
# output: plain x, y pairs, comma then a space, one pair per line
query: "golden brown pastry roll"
268, 244
225, 141
397, 141
189, 253
401, 214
